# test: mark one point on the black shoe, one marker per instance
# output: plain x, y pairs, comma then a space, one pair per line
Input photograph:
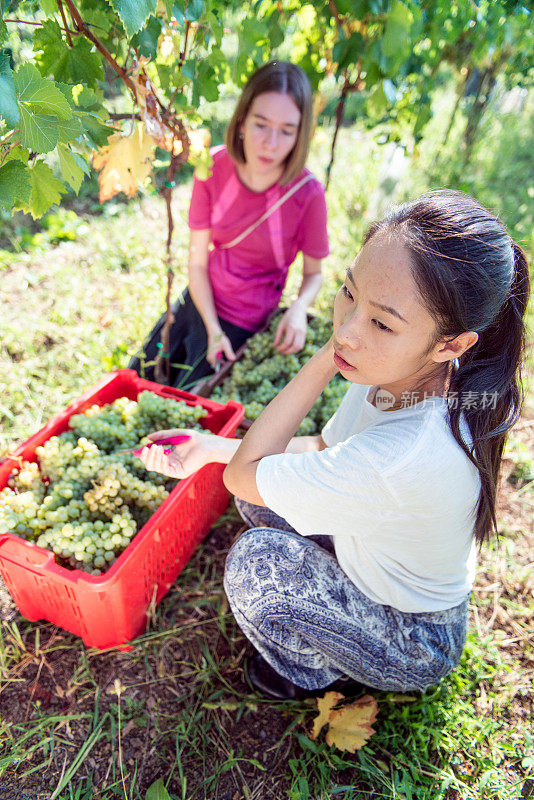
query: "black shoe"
266, 680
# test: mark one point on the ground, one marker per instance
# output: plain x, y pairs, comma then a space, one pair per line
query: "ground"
183, 696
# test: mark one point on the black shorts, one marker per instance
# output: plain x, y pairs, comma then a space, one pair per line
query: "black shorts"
188, 345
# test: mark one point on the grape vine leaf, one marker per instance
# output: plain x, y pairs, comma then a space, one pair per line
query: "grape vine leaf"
134, 13
70, 165
46, 190
96, 132
70, 130
218, 30
377, 102
88, 99
396, 42
147, 39
3, 27
48, 6
349, 727
38, 132
53, 60
9, 109
47, 99
124, 163
177, 11
76, 64
85, 66
14, 184
193, 10
41, 104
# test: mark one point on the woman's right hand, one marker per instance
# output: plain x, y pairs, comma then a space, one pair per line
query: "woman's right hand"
219, 344
184, 459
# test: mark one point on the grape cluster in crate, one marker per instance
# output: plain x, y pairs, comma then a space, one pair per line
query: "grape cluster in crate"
263, 372
83, 500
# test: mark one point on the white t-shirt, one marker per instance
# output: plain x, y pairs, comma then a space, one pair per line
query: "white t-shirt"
395, 491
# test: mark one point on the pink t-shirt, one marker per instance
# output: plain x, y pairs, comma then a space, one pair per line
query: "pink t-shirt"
248, 279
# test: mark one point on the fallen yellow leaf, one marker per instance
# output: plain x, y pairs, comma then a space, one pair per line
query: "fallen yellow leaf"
324, 705
349, 727
124, 163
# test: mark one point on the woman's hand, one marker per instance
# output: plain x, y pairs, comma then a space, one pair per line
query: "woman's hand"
184, 459
291, 332
219, 344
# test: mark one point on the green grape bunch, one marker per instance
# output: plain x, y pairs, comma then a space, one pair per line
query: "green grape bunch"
83, 500
263, 372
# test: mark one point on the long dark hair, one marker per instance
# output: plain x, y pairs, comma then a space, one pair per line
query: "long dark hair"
471, 277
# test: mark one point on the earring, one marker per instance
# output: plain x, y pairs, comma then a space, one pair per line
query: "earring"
455, 363
241, 136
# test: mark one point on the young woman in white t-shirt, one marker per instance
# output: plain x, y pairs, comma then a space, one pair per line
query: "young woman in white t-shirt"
362, 551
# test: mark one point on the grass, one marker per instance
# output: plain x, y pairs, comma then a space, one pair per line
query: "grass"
78, 724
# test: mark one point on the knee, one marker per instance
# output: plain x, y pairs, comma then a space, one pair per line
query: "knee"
253, 562
240, 559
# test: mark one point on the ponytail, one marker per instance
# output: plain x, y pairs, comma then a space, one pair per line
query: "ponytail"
471, 277
491, 372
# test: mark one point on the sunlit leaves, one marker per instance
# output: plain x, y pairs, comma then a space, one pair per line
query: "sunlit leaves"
193, 10
45, 190
48, 6
348, 50
75, 64
41, 106
217, 28
14, 184
95, 131
39, 132
72, 167
199, 154
8, 97
396, 39
40, 94
146, 41
134, 13
3, 30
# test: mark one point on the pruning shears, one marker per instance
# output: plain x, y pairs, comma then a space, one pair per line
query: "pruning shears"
219, 356
169, 440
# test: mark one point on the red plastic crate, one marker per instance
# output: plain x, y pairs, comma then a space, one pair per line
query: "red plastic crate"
110, 609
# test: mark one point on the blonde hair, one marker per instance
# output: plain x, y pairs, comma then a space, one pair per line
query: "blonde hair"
284, 78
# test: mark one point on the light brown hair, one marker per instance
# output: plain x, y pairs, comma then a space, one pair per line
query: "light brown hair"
285, 78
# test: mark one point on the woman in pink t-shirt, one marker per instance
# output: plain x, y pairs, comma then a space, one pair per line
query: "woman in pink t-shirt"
245, 232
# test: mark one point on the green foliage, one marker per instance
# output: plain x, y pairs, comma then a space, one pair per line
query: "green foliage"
8, 96
134, 13
70, 64
45, 190
56, 102
15, 184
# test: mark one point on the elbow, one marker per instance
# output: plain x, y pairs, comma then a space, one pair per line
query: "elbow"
229, 479
241, 482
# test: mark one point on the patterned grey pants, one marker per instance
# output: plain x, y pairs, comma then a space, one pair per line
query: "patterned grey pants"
294, 603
